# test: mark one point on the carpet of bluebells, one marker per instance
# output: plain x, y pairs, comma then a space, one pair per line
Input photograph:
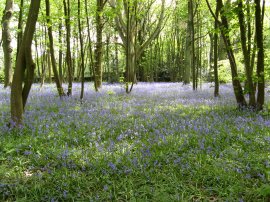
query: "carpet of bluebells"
162, 142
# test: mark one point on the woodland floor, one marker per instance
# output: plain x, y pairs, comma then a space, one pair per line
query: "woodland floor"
162, 142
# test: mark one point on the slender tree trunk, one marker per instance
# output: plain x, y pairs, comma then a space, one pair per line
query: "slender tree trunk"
21, 85
260, 55
192, 33
216, 91
241, 18
190, 46
37, 56
51, 46
20, 28
107, 70
60, 57
116, 61
99, 45
224, 28
43, 59
90, 46
238, 91
82, 50
6, 37
68, 54
49, 65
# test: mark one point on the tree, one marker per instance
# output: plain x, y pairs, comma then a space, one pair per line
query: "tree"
20, 28
225, 32
68, 52
216, 91
260, 54
190, 45
99, 45
91, 66
81, 47
129, 23
51, 47
246, 54
24, 69
6, 37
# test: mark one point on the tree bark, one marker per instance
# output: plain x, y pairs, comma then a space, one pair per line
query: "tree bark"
6, 37
216, 91
82, 49
190, 47
99, 46
260, 55
20, 28
60, 57
24, 70
68, 54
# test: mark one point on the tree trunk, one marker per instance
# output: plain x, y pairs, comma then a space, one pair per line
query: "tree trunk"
128, 30
249, 73
82, 50
37, 56
216, 91
6, 37
190, 46
20, 28
60, 57
238, 91
68, 54
224, 28
51, 46
260, 55
91, 66
24, 70
99, 45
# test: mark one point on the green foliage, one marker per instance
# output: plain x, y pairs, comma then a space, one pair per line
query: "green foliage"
224, 71
2, 76
264, 190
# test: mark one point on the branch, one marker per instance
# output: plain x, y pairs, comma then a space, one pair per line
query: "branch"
211, 11
202, 36
157, 30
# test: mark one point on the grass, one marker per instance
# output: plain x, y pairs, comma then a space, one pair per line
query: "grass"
163, 142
